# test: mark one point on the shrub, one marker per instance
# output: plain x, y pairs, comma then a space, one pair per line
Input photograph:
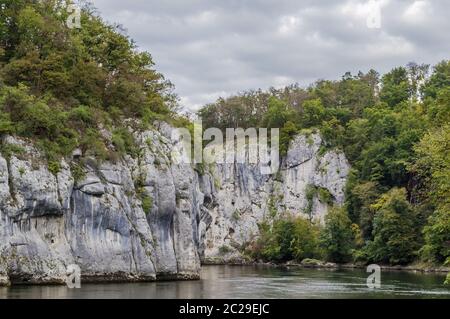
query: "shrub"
124, 142
6, 125
21, 171
147, 203
288, 238
9, 150
82, 115
77, 171
337, 238
225, 250
305, 240
54, 167
394, 231
437, 237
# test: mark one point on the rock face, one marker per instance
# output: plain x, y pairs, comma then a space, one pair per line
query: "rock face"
146, 218
238, 197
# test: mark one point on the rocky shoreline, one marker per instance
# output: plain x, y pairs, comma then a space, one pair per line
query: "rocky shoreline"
315, 264
96, 279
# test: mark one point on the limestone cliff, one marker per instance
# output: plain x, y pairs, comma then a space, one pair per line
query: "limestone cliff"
238, 197
146, 218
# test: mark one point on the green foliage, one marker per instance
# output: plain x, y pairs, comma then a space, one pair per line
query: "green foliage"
124, 142
77, 171
147, 203
287, 239
54, 167
439, 80
320, 193
287, 133
337, 238
437, 237
433, 165
6, 126
92, 144
433, 168
21, 171
333, 132
60, 86
278, 113
395, 87
272, 207
394, 229
311, 192
8, 150
314, 113
325, 196
306, 240
360, 198
225, 250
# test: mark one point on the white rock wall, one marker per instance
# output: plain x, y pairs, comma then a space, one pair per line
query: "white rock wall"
48, 222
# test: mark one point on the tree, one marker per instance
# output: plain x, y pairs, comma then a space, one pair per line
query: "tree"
306, 240
437, 237
433, 169
357, 93
278, 113
313, 114
440, 79
417, 75
287, 133
287, 238
360, 198
394, 229
395, 87
438, 109
337, 238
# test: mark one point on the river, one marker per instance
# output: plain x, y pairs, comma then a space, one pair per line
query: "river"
255, 282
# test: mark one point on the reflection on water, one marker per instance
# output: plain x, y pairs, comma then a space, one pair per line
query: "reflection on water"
255, 282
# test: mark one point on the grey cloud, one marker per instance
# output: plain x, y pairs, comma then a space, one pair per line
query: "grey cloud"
212, 48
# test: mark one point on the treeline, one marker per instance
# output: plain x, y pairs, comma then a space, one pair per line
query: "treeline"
61, 87
395, 131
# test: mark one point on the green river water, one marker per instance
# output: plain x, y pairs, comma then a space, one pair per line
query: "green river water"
255, 282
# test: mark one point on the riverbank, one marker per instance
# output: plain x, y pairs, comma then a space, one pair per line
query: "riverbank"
317, 264
118, 278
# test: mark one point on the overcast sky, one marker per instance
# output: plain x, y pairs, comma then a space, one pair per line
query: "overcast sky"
212, 48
